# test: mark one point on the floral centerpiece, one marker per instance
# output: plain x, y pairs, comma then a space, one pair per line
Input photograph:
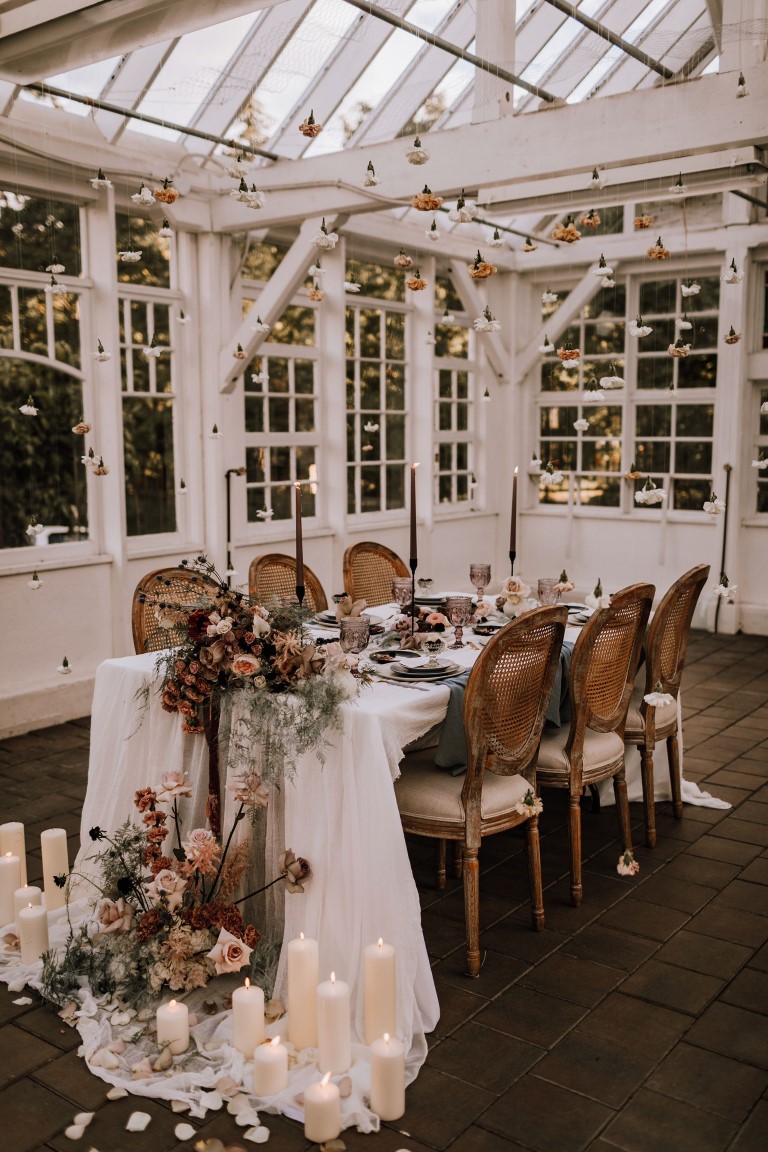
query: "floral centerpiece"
164, 917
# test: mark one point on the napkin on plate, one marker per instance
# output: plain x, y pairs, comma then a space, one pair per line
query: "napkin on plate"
349, 607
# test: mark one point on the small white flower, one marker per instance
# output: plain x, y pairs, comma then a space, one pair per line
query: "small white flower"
530, 805
650, 494
690, 289
417, 154
351, 285
370, 426
684, 324
581, 425
101, 355
593, 396
713, 506
679, 349
34, 529
325, 239
550, 478
152, 350
432, 233
486, 398
260, 326
764, 408
534, 466
725, 589
678, 187
29, 409
762, 463
487, 322
597, 181
658, 697
609, 383
606, 282
89, 460
741, 86
183, 318
549, 297
143, 196
264, 514
732, 276
238, 170
547, 346
131, 255
165, 231
54, 288
100, 181
597, 598
253, 197
181, 489
627, 865
64, 668
214, 433
602, 269
35, 582
55, 269
496, 240
370, 180
464, 212
447, 317
261, 377
637, 328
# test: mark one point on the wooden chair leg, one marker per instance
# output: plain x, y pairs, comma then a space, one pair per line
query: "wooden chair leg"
649, 806
673, 754
534, 873
574, 841
441, 854
472, 909
457, 859
622, 810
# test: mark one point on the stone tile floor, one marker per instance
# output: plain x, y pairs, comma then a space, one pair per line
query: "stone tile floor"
637, 1022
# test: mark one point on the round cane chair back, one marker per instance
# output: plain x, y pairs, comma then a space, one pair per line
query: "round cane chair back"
273, 577
172, 586
667, 640
369, 570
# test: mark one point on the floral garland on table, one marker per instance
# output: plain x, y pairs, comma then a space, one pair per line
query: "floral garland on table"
164, 920
292, 689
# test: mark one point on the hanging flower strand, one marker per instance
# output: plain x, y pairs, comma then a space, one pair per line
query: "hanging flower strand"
417, 154
309, 127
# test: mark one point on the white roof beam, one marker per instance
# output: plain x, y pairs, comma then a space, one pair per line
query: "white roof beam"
273, 300
129, 85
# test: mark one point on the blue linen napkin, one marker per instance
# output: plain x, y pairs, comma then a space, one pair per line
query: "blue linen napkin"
451, 753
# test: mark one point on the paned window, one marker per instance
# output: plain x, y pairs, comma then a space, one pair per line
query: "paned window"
453, 436
38, 232
761, 450
135, 234
148, 410
376, 410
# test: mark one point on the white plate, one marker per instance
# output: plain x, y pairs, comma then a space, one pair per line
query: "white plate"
386, 673
408, 671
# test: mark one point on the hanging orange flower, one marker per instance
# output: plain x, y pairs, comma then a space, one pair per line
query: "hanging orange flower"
426, 201
567, 232
642, 222
590, 219
480, 269
657, 251
310, 127
167, 194
568, 352
415, 283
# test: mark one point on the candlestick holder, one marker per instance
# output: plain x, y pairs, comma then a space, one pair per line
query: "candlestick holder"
300, 590
413, 565
512, 557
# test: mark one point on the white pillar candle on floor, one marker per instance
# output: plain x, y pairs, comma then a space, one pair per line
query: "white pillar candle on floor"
32, 923
173, 1026
270, 1068
12, 840
53, 842
333, 1027
10, 880
380, 991
388, 1078
322, 1111
29, 894
302, 992
247, 1018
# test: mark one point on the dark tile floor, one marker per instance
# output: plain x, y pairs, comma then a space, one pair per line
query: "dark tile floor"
637, 1022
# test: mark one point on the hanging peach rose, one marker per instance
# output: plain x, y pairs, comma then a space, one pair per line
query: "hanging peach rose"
309, 127
167, 194
567, 232
657, 251
426, 201
415, 283
642, 222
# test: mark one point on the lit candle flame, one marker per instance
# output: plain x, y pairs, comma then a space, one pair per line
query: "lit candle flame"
333, 977
247, 982
275, 1041
386, 1037
325, 1080
515, 471
301, 935
8, 855
381, 942
172, 1005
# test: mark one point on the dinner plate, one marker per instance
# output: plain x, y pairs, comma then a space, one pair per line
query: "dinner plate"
488, 627
422, 670
386, 673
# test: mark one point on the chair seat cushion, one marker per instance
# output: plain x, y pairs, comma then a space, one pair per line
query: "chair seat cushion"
423, 790
602, 750
666, 714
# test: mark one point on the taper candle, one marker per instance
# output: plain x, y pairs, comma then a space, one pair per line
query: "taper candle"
380, 991
173, 1026
247, 1018
10, 880
270, 1068
303, 966
299, 541
413, 552
513, 525
334, 1039
29, 894
53, 842
322, 1111
12, 840
388, 1078
32, 925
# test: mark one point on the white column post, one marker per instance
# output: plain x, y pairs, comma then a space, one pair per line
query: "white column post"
187, 426
331, 406
420, 439
213, 457
495, 39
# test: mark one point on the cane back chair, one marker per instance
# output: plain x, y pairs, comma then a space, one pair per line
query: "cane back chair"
602, 673
504, 709
665, 649
273, 577
172, 586
369, 570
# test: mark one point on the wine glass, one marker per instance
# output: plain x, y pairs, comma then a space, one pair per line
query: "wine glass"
548, 591
401, 591
480, 575
434, 644
425, 583
459, 611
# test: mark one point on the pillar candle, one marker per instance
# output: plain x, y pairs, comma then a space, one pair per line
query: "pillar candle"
388, 1078
302, 992
247, 1018
270, 1068
32, 924
299, 541
322, 1111
53, 842
513, 525
10, 880
29, 894
413, 552
12, 840
173, 1026
380, 991
334, 1039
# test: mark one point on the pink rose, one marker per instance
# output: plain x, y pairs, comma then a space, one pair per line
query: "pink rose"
229, 954
167, 886
114, 916
172, 784
246, 665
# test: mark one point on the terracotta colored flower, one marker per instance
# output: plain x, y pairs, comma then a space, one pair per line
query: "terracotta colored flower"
145, 798
480, 269
81, 428
568, 352
245, 666
529, 245
643, 222
316, 294
590, 219
415, 282
309, 127
426, 201
733, 336
229, 954
567, 232
167, 194
657, 251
